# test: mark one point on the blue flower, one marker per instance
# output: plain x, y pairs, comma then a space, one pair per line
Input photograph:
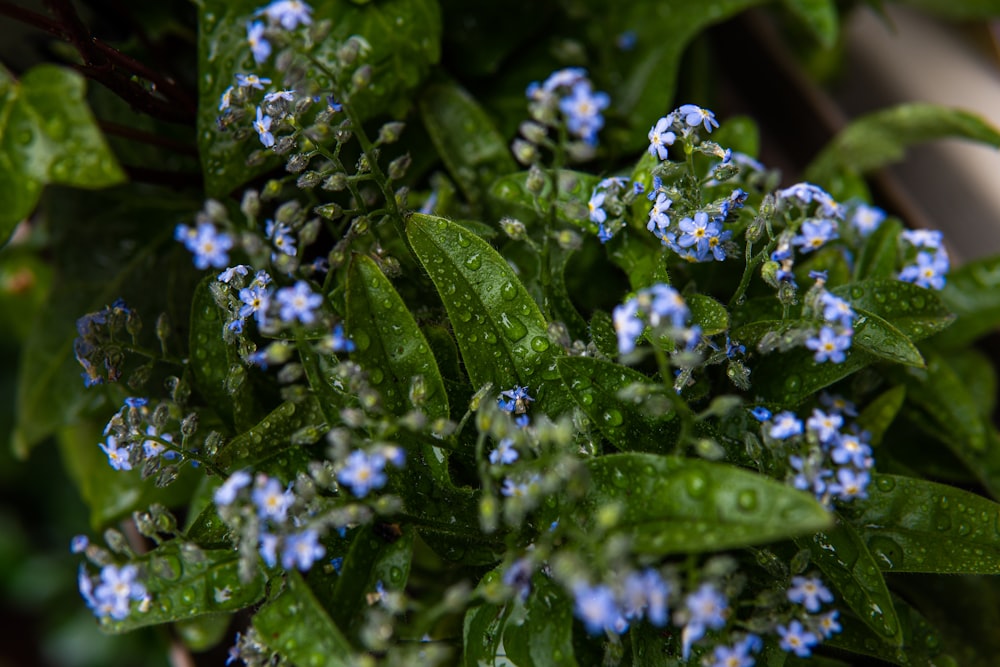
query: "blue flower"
603, 233
814, 234
251, 81
269, 548
288, 13
234, 651
226, 98
117, 588
118, 457
258, 43
233, 271
337, 563
807, 193
281, 236
596, 607
363, 473
761, 413
850, 449
828, 623
824, 425
694, 115
79, 544
226, 493
923, 238
301, 550
697, 231
807, 478
836, 310
661, 136
645, 594
866, 219
153, 448
333, 105
263, 127
785, 425
850, 484
597, 214
809, 592
664, 302
658, 218
583, 111
929, 271
287, 95
628, 325
256, 300
517, 402
337, 341
795, 639
829, 346
838, 404
298, 303
518, 577
504, 453
626, 41
707, 609
271, 500
209, 246
732, 656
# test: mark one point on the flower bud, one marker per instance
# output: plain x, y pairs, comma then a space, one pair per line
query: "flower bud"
398, 167
250, 205
309, 180
296, 163
513, 228
533, 132
390, 132
524, 152
536, 180
362, 77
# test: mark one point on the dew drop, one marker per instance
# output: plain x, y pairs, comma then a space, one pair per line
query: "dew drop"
512, 327
508, 291
587, 399
464, 315
792, 383
361, 340
188, 596
964, 529
886, 552
747, 500
613, 418
696, 484
885, 484
473, 263
539, 344
396, 575
857, 292
463, 241
377, 376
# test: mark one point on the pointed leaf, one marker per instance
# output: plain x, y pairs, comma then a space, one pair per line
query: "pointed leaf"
790, 378
47, 135
915, 311
921, 641
881, 138
912, 525
673, 505
539, 631
184, 582
876, 336
880, 254
273, 434
628, 425
473, 150
709, 314
973, 294
602, 333
847, 564
500, 330
296, 625
880, 413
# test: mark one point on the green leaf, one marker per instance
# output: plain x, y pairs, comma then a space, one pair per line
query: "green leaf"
709, 314
881, 138
371, 559
976, 372
296, 625
921, 641
880, 413
790, 378
556, 298
47, 135
628, 425
288, 426
912, 525
602, 332
404, 39
673, 505
466, 140
185, 582
943, 396
879, 255
203, 632
915, 311
539, 631
569, 194
820, 16
973, 294
648, 89
500, 331
875, 335
482, 632
847, 564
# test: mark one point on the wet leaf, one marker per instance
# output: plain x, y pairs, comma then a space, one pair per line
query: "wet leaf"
921, 642
272, 434
539, 631
602, 332
849, 567
709, 314
47, 135
879, 256
912, 525
879, 414
790, 378
972, 292
500, 331
186, 582
628, 425
674, 505
881, 138
915, 311
876, 336
466, 139
295, 624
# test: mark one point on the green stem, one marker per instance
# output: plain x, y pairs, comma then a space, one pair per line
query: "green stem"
752, 264
172, 446
683, 410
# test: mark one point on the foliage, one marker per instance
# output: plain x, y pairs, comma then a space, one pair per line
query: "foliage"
447, 359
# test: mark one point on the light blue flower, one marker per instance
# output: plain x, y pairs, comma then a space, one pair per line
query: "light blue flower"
271, 500
281, 236
785, 425
824, 425
229, 274
289, 14
851, 449
301, 550
866, 219
796, 639
269, 548
693, 116
660, 137
829, 345
706, 609
259, 45
596, 607
118, 457
582, 109
256, 300
814, 234
597, 214
645, 594
504, 453
929, 271
923, 238
263, 127
810, 593
850, 484
628, 325
298, 303
226, 493
836, 310
828, 623
363, 473
251, 81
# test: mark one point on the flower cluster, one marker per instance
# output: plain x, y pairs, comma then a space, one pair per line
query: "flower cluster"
96, 347
565, 102
653, 306
930, 268
298, 546
827, 459
116, 590
609, 203
137, 433
207, 243
799, 636
271, 308
835, 335
695, 233
283, 15
364, 471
